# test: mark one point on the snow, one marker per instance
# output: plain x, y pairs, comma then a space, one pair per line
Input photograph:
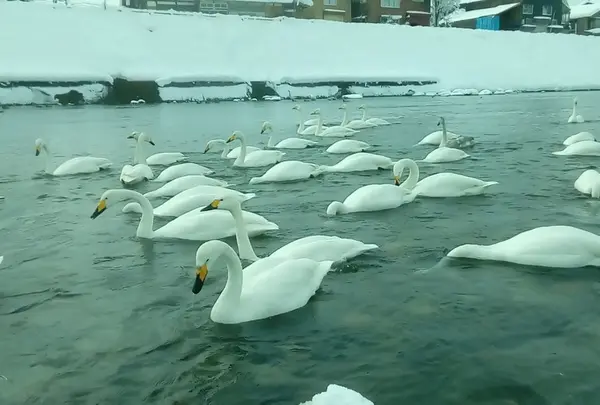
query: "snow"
484, 12
470, 1
584, 10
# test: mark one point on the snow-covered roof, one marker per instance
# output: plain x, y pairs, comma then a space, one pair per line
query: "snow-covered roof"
595, 31
484, 12
469, 1
588, 9
307, 3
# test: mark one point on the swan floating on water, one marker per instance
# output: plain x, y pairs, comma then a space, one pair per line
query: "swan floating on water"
355, 124
288, 143
182, 169
183, 183
1, 259
348, 146
259, 158
261, 290
76, 165
443, 153
338, 395
159, 159
359, 162
140, 171
308, 130
194, 225
335, 131
578, 137
289, 170
582, 148
228, 154
440, 184
588, 183
548, 246
371, 121
575, 118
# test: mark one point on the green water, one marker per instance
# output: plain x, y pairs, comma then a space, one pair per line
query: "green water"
89, 314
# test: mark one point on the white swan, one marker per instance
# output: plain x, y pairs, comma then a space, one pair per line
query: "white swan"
354, 124
180, 184
182, 169
338, 395
228, 154
288, 143
335, 131
575, 118
347, 146
578, 137
1, 259
140, 171
440, 184
359, 162
193, 225
77, 165
443, 153
290, 170
159, 159
371, 121
588, 183
187, 200
261, 290
259, 158
315, 247
308, 130
582, 148
548, 246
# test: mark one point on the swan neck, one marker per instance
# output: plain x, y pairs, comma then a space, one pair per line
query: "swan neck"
242, 156
301, 126
270, 143
241, 235
230, 296
413, 176
319, 124
336, 207
345, 119
139, 156
47, 157
444, 135
146, 224
364, 116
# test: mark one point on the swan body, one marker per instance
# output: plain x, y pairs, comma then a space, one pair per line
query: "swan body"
460, 142
358, 162
183, 183
259, 158
182, 169
194, 225
288, 143
582, 148
354, 124
575, 118
187, 200
581, 136
1, 259
336, 394
227, 153
435, 138
264, 289
373, 197
443, 153
348, 146
372, 121
290, 170
588, 183
77, 165
140, 171
335, 131
440, 184
159, 159
548, 246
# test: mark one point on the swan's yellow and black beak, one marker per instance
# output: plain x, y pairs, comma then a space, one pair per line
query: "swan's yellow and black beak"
201, 273
151, 143
231, 138
99, 209
37, 150
397, 180
262, 131
206, 149
212, 206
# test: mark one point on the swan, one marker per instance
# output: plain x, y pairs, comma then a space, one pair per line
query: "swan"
180, 184
589, 183
1, 259
76, 165
261, 290
290, 170
557, 246
578, 137
228, 154
256, 159
315, 247
140, 171
440, 184
443, 153
583, 148
336, 394
193, 225
371, 121
182, 169
460, 141
187, 200
359, 162
347, 146
354, 124
435, 138
159, 159
575, 118
309, 130
335, 131
288, 143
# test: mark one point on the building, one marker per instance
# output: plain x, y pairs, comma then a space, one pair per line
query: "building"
545, 15
585, 18
497, 15
333, 10
409, 12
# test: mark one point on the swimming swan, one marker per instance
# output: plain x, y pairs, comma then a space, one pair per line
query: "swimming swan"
440, 184
354, 124
578, 137
77, 165
288, 143
348, 146
582, 148
1, 259
588, 183
289, 170
261, 290
228, 154
359, 162
259, 158
444, 154
371, 121
308, 130
336, 394
315, 247
160, 159
575, 118
140, 171
180, 184
547, 246
335, 131
193, 225
182, 169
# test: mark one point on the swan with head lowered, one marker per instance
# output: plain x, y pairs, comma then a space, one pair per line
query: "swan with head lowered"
335, 131
371, 121
140, 171
440, 184
228, 154
359, 162
578, 137
588, 183
354, 124
309, 129
287, 143
261, 290
259, 158
575, 118
348, 146
159, 159
76, 165
287, 171
182, 169
180, 184
443, 153
336, 394
316, 247
193, 225
582, 148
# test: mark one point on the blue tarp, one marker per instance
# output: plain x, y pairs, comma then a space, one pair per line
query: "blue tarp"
491, 23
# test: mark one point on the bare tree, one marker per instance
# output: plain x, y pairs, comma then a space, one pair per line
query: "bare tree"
440, 9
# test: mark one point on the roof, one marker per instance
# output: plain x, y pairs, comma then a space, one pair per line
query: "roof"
469, 1
585, 10
484, 12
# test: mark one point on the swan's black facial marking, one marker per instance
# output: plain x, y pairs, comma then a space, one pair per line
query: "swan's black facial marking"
201, 273
213, 205
37, 150
99, 209
151, 143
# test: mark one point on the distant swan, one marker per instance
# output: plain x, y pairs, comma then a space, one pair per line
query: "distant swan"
256, 159
578, 137
140, 171
443, 153
348, 146
589, 183
289, 170
182, 169
77, 165
372, 121
336, 394
159, 159
183, 183
354, 124
308, 130
287, 143
335, 131
228, 154
359, 162
575, 118
582, 148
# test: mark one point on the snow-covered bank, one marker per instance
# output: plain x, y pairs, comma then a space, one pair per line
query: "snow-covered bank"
188, 56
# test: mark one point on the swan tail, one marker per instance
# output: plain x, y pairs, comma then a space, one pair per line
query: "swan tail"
489, 183
151, 194
335, 208
559, 153
255, 180
249, 196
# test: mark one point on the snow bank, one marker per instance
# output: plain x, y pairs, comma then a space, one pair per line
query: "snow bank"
300, 57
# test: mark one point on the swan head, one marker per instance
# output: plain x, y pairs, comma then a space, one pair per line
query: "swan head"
144, 137
362, 107
102, 205
296, 107
316, 112
234, 136
134, 135
342, 107
206, 256
210, 144
441, 121
575, 101
228, 203
39, 145
266, 126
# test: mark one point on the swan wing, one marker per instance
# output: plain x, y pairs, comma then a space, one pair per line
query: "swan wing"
583, 148
336, 394
166, 158
182, 169
235, 152
286, 171
82, 164
183, 183
295, 143
377, 197
323, 247
182, 203
135, 174
448, 185
263, 158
